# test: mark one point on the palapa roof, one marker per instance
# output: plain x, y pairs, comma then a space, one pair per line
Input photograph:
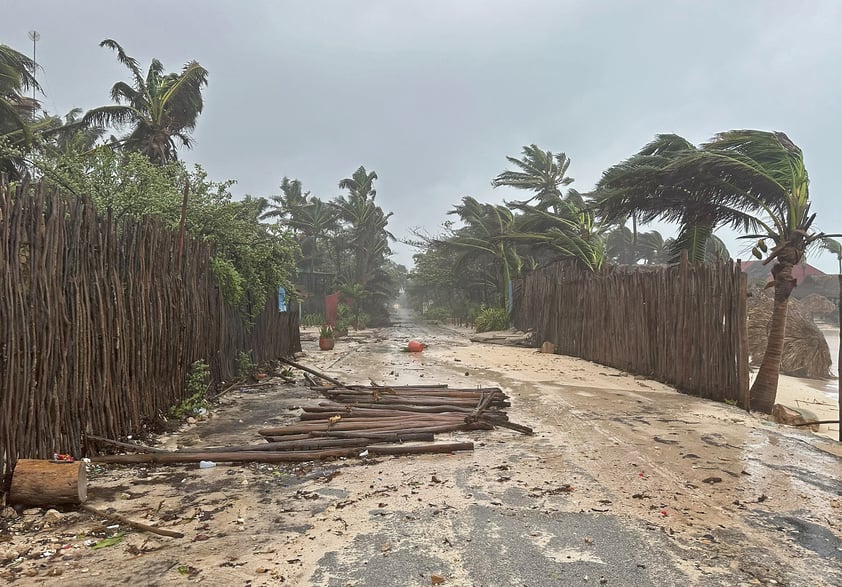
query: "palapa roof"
805, 354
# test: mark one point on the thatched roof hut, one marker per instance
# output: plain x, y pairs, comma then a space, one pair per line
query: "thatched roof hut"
805, 354
816, 305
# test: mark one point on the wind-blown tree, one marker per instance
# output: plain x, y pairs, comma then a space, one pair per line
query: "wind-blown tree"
365, 223
292, 196
20, 125
538, 171
833, 246
487, 237
314, 223
360, 185
551, 224
750, 180
160, 109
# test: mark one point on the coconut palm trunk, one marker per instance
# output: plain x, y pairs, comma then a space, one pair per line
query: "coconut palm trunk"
764, 390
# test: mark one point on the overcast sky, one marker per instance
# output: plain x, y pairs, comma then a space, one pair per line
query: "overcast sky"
433, 94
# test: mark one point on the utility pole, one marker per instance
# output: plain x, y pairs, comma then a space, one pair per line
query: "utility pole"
34, 36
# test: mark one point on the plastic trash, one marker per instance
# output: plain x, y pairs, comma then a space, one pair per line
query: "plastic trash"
206, 464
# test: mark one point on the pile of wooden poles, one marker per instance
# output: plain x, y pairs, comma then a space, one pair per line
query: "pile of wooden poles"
355, 421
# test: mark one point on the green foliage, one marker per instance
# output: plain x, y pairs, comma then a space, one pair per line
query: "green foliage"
243, 365
438, 314
490, 319
344, 319
195, 387
251, 259
308, 320
325, 331
229, 279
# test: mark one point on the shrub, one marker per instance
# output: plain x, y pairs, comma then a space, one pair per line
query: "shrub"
195, 387
438, 314
243, 365
312, 320
490, 319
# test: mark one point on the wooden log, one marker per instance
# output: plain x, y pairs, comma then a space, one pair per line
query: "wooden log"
137, 525
312, 443
280, 457
336, 382
123, 445
368, 424
510, 425
415, 449
47, 483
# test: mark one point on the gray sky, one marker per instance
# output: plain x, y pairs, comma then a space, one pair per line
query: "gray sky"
433, 94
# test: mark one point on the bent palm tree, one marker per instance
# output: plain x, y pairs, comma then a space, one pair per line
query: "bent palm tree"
542, 172
746, 179
160, 108
488, 235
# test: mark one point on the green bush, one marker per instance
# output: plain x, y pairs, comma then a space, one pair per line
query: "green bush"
490, 319
195, 387
243, 365
438, 314
308, 320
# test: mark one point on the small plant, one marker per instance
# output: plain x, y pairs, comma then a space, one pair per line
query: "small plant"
195, 387
308, 320
490, 319
243, 365
326, 331
438, 314
731, 402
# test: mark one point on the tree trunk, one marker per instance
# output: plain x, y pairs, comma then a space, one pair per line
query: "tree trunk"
47, 483
765, 388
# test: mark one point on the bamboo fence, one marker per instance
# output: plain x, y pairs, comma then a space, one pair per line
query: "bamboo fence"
684, 324
101, 321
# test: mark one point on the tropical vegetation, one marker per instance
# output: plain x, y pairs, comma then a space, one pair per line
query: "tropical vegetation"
749, 180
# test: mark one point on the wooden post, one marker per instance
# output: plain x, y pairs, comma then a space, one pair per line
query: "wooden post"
47, 483
181, 225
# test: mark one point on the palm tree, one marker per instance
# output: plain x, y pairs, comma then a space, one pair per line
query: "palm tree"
542, 172
366, 223
360, 185
17, 110
833, 246
747, 179
292, 196
488, 236
314, 223
160, 108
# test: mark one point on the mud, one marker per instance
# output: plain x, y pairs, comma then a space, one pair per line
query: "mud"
625, 481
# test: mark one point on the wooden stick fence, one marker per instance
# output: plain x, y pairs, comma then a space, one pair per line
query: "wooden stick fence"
684, 324
100, 323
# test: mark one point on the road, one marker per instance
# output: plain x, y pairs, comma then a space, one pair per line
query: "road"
666, 489
625, 482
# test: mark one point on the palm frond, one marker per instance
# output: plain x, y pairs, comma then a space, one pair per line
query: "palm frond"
129, 62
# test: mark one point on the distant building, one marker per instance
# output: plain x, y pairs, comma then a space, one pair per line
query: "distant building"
810, 279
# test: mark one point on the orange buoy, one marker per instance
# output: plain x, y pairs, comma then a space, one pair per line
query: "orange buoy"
414, 346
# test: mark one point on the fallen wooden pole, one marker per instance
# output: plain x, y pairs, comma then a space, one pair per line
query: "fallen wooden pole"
819, 422
506, 424
311, 443
280, 457
137, 525
312, 372
420, 448
124, 445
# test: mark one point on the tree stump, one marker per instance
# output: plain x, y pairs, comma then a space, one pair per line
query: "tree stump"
47, 483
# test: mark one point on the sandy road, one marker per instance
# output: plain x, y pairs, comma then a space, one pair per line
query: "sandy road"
625, 483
